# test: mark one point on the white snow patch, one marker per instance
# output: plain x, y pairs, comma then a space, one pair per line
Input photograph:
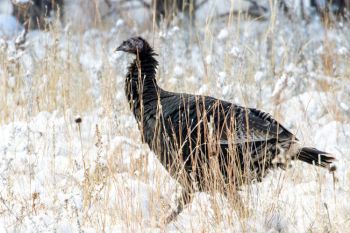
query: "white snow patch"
343, 51
258, 76
119, 23
222, 77
280, 85
203, 90
223, 34
178, 71
208, 59
235, 51
344, 106
9, 26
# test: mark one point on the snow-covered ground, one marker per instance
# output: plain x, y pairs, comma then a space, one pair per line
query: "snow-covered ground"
59, 175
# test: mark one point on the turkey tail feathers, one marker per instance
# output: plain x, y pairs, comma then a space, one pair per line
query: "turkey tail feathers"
316, 157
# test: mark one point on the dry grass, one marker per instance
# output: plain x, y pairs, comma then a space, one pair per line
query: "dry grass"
97, 176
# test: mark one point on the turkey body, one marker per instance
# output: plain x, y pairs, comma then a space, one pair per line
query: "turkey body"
195, 131
197, 136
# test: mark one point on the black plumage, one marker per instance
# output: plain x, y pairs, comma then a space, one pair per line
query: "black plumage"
194, 135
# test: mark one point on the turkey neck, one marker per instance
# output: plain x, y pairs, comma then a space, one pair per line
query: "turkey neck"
140, 83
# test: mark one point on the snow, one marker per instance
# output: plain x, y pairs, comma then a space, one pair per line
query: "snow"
235, 51
203, 90
280, 84
208, 59
5, 7
331, 135
223, 34
258, 76
97, 176
9, 26
344, 106
21, 1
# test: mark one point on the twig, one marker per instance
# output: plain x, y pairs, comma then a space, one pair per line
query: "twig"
329, 219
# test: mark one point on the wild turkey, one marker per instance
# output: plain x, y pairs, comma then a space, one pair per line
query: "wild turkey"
201, 140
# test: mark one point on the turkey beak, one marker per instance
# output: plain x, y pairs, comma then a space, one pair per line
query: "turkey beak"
123, 47
120, 48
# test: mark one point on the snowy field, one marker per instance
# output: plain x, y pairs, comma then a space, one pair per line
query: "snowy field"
59, 175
